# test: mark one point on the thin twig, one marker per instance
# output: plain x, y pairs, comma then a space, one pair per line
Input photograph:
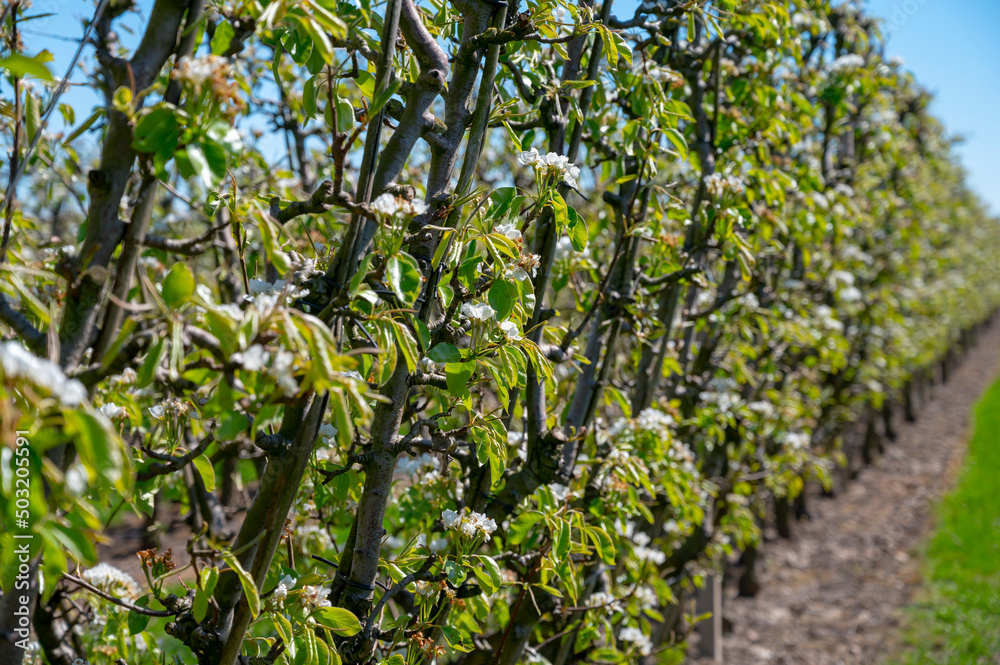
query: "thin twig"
117, 601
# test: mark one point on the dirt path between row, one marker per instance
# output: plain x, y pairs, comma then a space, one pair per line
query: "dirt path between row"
832, 595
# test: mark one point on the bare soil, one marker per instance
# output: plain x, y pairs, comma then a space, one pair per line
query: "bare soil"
833, 593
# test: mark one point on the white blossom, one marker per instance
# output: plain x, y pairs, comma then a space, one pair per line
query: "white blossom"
762, 408
508, 231
564, 248
646, 596
327, 434
126, 378
510, 330
480, 312
473, 524
282, 370
385, 205
841, 277
427, 589
551, 164
254, 359
450, 518
559, 492
655, 556
635, 636
718, 184
846, 63
171, 406
850, 294
19, 363
281, 591
796, 440
605, 601
109, 579
389, 205
314, 597
111, 411
202, 68
529, 158
654, 420
411, 466
618, 457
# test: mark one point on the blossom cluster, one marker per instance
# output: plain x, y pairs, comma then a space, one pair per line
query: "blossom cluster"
171, 406
19, 363
480, 312
470, 525
111, 580
314, 597
389, 205
638, 639
280, 365
551, 165
197, 71
718, 184
847, 63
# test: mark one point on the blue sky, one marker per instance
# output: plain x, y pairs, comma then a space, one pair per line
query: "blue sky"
950, 45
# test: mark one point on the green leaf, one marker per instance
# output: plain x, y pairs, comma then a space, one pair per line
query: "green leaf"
502, 296
84, 126
209, 576
501, 199
622, 47
407, 344
149, 365
485, 581
122, 99
560, 212
178, 285
383, 97
309, 96
338, 620
200, 607
456, 572
602, 543
560, 546
458, 375
75, 541
403, 274
191, 162
492, 569
345, 116
21, 65
206, 470
326, 19
137, 622
215, 155
520, 527
610, 49
222, 38
674, 136
457, 640
32, 115
233, 424
157, 131
99, 450
445, 353
249, 588
578, 234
